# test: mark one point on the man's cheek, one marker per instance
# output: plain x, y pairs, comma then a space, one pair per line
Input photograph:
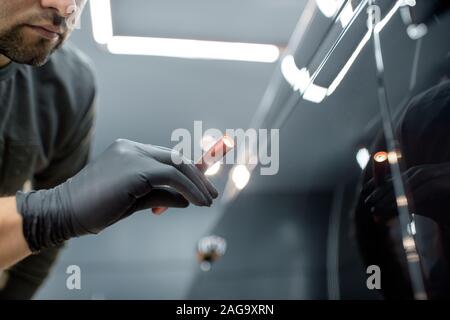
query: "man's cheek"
27, 36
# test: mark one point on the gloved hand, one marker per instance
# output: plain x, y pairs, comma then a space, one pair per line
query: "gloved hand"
127, 177
429, 187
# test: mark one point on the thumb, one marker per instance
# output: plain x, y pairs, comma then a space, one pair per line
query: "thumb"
161, 197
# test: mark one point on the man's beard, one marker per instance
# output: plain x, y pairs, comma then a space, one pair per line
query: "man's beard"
13, 46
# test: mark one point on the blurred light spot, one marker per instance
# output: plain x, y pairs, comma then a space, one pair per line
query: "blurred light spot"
240, 176
363, 157
411, 228
205, 266
409, 244
214, 169
412, 257
392, 157
380, 156
228, 141
209, 250
329, 7
207, 142
416, 32
402, 201
102, 27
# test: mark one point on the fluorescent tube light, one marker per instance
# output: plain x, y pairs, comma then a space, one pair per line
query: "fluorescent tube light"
180, 48
193, 49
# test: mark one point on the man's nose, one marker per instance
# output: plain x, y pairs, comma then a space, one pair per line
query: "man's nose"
64, 8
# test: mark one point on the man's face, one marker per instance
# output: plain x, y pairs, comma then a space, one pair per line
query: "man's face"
31, 30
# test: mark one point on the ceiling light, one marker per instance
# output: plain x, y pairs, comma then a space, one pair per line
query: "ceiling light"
193, 49
101, 17
170, 47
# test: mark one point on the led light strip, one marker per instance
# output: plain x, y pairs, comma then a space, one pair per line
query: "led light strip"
102, 28
300, 79
193, 49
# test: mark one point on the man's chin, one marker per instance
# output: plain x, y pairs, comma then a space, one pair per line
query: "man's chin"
26, 48
34, 60
37, 62
33, 57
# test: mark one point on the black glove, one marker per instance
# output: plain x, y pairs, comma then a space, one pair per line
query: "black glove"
126, 178
429, 187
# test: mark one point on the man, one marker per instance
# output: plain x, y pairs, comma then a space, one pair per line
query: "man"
46, 119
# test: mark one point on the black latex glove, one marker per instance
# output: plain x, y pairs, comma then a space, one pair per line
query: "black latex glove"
429, 187
127, 177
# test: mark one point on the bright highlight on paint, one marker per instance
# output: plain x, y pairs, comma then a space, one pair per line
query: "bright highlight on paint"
213, 170
240, 176
300, 79
363, 157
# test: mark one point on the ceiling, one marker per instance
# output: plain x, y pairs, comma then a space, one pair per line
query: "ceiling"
256, 21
